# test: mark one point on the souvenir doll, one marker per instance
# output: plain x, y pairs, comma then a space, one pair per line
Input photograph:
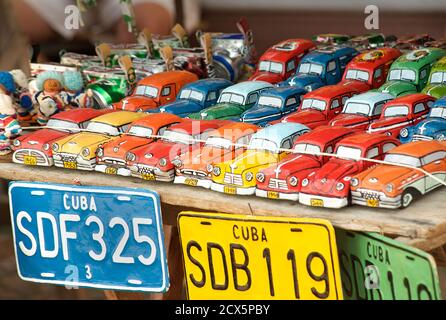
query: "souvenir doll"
74, 96
9, 127
49, 99
26, 109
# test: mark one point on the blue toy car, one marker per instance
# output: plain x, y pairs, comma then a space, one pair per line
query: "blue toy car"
321, 67
195, 97
431, 128
273, 104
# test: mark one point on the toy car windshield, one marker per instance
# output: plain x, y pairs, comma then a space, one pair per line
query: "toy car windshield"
147, 91
191, 94
270, 102
354, 74
263, 144
270, 66
218, 142
357, 108
231, 97
396, 111
307, 148
311, 68
349, 153
402, 74
313, 104
102, 128
403, 159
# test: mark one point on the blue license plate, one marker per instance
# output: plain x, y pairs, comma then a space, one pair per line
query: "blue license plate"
97, 237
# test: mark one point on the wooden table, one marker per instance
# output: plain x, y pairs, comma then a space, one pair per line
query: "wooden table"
422, 225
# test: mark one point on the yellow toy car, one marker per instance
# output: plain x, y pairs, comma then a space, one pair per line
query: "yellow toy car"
78, 151
238, 176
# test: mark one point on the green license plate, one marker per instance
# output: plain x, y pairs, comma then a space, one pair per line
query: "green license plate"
374, 267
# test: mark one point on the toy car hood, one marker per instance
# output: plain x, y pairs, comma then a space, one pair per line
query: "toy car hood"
397, 88
152, 153
430, 127
249, 160
198, 159
256, 113
133, 103
35, 140
386, 122
349, 120
290, 165
181, 106
221, 110
118, 148
266, 76
305, 116
435, 90
305, 81
379, 176
74, 144
325, 179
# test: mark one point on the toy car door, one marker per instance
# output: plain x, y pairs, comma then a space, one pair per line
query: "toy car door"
435, 163
378, 77
336, 105
290, 68
332, 72
168, 93
290, 105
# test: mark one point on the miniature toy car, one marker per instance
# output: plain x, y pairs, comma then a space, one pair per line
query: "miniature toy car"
409, 73
155, 91
370, 68
34, 148
273, 104
155, 160
281, 60
360, 110
224, 144
233, 101
318, 107
329, 186
436, 85
111, 156
412, 42
321, 67
368, 41
439, 43
401, 112
237, 176
282, 180
331, 38
78, 151
391, 186
195, 96
431, 128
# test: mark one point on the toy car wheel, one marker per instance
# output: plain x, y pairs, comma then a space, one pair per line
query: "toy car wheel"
408, 197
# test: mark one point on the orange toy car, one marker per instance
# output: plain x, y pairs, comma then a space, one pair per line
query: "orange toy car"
156, 90
195, 167
389, 186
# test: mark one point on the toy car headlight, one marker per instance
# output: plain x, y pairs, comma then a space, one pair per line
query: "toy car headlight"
163, 162
217, 171
440, 137
260, 177
389, 187
305, 182
404, 133
177, 163
55, 147
340, 186
46, 147
209, 168
16, 143
130, 156
100, 152
86, 152
294, 181
249, 176
354, 182
162, 110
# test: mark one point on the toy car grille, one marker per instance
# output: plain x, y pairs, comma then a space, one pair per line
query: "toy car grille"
370, 195
189, 172
419, 137
114, 161
277, 184
68, 157
145, 169
231, 178
20, 155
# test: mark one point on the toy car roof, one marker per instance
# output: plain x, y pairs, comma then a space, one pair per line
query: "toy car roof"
418, 58
162, 78
157, 120
198, 126
283, 92
208, 84
234, 130
80, 114
118, 118
419, 148
370, 97
440, 102
279, 131
286, 49
246, 87
323, 135
373, 58
365, 140
440, 65
328, 54
327, 92
409, 99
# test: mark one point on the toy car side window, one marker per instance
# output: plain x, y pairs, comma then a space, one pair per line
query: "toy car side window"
84, 124
378, 108
423, 73
435, 156
290, 66
344, 98
286, 144
331, 66
377, 73
334, 104
430, 103
166, 91
329, 149
212, 95
419, 107
162, 129
388, 146
124, 128
291, 101
372, 153
343, 60
253, 98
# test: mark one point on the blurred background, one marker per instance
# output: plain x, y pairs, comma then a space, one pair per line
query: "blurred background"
31, 22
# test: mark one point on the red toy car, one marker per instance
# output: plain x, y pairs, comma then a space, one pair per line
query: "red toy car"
111, 156
370, 68
281, 60
318, 107
154, 161
401, 112
330, 185
35, 148
282, 180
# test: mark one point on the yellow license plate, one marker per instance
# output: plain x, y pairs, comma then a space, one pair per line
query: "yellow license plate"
111, 170
69, 165
317, 202
229, 190
148, 176
191, 182
272, 195
373, 203
228, 256
30, 160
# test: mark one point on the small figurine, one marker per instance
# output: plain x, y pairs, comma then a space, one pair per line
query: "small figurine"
74, 95
50, 84
9, 126
26, 109
392, 186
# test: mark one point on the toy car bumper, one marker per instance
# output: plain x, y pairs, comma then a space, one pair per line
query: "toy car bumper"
322, 201
32, 157
113, 170
70, 161
195, 182
152, 173
229, 189
375, 199
277, 195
